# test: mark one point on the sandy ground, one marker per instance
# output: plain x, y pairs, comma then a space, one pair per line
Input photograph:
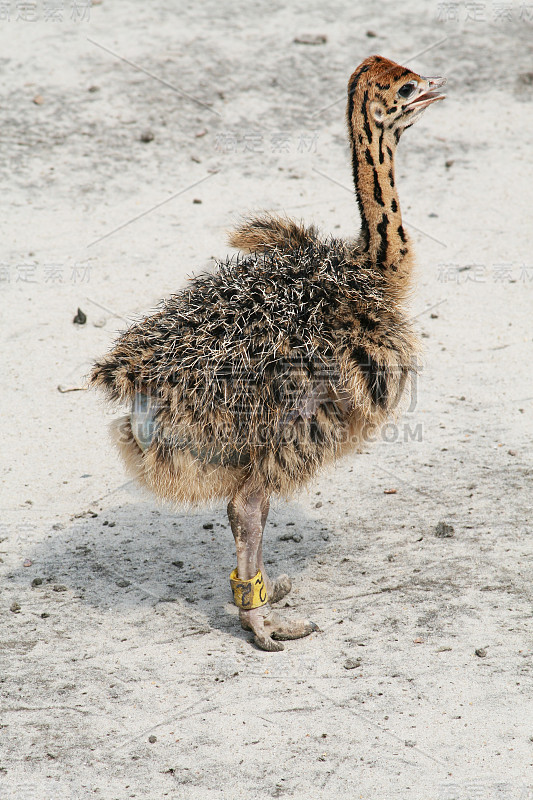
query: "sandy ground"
116, 618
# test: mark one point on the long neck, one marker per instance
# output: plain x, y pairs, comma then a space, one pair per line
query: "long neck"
383, 236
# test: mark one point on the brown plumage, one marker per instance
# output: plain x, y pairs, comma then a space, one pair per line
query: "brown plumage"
253, 378
267, 232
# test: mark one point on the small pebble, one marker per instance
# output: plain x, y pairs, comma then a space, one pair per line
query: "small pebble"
93, 89
200, 134
418, 640
371, 34
207, 526
512, 452
444, 531
480, 652
80, 318
390, 491
60, 587
146, 136
27, 562
152, 739
410, 743
309, 38
123, 583
45, 615
15, 607
319, 504
287, 537
434, 316
36, 581
197, 201
526, 78
178, 564
38, 99
449, 163
352, 663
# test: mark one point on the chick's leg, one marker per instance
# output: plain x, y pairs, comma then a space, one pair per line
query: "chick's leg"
247, 515
282, 585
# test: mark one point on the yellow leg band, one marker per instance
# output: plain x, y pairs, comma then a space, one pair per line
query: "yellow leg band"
248, 594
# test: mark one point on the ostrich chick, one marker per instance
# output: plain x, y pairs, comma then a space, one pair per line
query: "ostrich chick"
250, 380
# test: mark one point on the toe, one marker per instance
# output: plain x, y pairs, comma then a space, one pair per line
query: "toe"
282, 587
291, 629
267, 643
254, 620
269, 628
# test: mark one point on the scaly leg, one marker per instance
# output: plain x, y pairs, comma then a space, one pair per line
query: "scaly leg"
282, 585
247, 514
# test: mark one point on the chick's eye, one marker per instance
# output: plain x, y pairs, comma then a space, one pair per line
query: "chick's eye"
407, 90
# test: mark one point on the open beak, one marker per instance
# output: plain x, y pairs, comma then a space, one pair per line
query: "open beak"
429, 95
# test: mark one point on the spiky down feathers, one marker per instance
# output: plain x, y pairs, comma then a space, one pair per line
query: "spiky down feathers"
265, 370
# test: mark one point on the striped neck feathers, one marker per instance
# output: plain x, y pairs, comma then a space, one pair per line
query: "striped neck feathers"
383, 234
